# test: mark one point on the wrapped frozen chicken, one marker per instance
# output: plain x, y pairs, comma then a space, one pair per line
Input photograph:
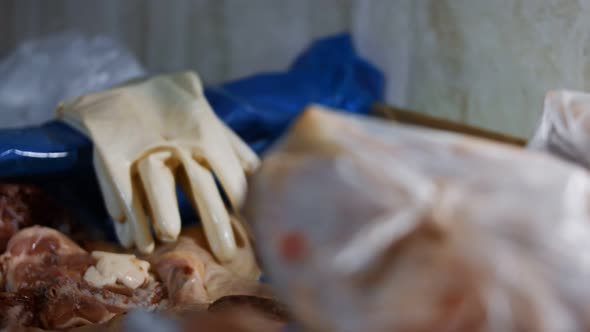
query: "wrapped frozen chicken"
365, 225
564, 128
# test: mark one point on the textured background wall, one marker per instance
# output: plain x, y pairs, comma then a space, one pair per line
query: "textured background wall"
223, 39
483, 62
490, 63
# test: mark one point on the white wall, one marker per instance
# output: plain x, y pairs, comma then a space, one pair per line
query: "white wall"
222, 39
484, 62
490, 63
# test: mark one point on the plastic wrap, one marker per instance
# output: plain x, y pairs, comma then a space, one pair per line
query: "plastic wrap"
364, 225
41, 73
564, 128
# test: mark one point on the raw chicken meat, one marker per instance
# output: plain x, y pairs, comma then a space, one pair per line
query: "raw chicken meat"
44, 284
228, 314
239, 314
181, 270
45, 279
48, 281
192, 275
23, 205
36, 254
365, 225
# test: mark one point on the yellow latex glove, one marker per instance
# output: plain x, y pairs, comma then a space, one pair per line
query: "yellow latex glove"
148, 136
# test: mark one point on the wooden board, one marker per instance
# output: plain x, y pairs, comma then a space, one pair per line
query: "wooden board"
418, 119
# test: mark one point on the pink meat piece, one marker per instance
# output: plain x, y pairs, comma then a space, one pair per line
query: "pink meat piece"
44, 285
23, 205
191, 275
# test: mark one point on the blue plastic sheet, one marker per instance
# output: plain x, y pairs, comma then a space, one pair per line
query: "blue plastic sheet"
330, 73
258, 108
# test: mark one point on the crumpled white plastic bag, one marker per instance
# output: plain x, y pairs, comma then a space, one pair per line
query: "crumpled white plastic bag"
564, 128
365, 225
39, 74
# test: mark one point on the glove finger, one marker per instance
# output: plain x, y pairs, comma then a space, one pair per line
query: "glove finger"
113, 202
243, 229
248, 158
136, 218
160, 190
124, 206
231, 176
244, 263
205, 196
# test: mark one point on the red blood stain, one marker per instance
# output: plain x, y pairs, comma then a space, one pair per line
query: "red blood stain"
293, 246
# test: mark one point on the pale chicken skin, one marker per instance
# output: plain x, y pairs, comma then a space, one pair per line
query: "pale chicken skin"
192, 275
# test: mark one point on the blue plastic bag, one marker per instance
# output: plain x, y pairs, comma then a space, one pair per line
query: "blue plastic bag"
258, 108
330, 73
